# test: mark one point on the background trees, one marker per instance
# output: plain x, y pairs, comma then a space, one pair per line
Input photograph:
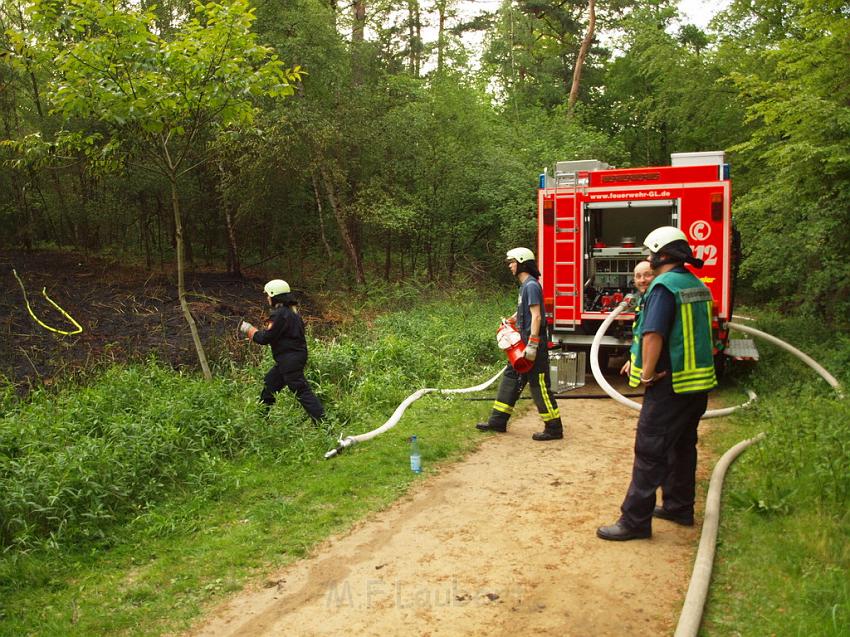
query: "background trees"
399, 156
130, 90
792, 81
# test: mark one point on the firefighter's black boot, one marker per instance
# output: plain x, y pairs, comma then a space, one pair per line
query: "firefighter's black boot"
552, 431
503, 407
487, 426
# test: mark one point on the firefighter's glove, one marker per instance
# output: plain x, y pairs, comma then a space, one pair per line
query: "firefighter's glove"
509, 321
531, 348
247, 329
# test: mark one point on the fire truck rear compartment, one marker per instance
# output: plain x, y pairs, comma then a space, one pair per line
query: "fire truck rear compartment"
614, 234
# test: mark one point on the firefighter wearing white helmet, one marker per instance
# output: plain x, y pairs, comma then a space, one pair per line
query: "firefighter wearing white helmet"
530, 321
284, 333
520, 255
275, 287
676, 364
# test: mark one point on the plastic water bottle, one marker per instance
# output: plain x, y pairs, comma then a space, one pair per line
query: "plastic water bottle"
415, 456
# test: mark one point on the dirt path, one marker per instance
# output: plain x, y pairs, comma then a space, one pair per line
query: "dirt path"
500, 544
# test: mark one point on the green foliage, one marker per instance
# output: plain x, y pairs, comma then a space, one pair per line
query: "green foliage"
416, 171
73, 464
533, 45
76, 465
805, 459
664, 95
797, 97
7, 395
367, 373
153, 94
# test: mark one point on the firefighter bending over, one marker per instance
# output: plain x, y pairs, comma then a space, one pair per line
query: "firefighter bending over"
676, 364
285, 335
531, 324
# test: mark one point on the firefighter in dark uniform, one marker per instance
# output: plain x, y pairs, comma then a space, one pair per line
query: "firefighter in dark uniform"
676, 364
531, 324
285, 335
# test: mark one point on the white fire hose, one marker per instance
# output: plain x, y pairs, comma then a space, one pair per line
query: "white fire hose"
691, 616
393, 420
790, 348
613, 393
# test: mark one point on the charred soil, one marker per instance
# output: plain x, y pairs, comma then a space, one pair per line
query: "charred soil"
127, 314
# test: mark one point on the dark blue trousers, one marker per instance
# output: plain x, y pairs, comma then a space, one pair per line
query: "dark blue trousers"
665, 454
289, 372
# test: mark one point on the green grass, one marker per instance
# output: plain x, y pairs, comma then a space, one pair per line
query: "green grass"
783, 556
147, 495
174, 492
186, 553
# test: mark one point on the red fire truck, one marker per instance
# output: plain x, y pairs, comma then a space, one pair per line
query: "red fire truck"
592, 220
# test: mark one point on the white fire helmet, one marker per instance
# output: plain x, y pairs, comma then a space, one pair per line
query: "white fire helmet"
275, 287
520, 255
665, 235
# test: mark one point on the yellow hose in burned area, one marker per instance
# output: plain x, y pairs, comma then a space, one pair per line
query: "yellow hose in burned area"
54, 304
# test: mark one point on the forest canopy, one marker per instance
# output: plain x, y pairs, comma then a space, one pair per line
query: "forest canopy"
361, 141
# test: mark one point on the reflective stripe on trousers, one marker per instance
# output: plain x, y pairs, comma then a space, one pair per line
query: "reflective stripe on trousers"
537, 379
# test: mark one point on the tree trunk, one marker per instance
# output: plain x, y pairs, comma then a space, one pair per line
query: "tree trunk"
441, 35
414, 31
159, 241
181, 280
234, 267
344, 231
411, 35
358, 28
357, 37
321, 216
144, 229
188, 246
18, 187
429, 255
582, 54
388, 256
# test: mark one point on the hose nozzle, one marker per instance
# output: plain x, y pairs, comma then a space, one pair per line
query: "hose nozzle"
343, 444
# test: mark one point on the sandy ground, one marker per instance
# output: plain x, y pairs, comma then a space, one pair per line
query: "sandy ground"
502, 543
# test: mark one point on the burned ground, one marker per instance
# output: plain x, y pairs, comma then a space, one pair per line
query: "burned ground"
127, 313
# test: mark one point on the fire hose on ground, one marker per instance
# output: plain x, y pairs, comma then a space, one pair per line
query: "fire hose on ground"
692, 609
348, 441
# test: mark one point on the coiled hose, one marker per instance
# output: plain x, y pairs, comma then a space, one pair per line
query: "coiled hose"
613, 393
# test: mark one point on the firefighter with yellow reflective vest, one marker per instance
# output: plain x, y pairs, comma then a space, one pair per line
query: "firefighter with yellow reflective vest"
531, 324
676, 364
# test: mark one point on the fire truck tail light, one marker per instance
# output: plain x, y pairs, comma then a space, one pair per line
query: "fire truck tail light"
549, 304
717, 206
